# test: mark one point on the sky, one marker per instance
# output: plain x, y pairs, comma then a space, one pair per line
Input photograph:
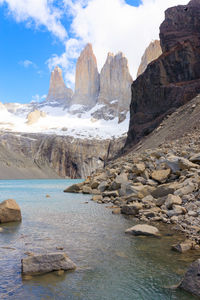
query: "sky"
37, 35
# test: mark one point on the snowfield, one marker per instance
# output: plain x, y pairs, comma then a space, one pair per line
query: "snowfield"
74, 121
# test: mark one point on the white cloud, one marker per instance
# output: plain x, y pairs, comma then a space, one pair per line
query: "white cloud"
110, 25
116, 26
27, 63
40, 12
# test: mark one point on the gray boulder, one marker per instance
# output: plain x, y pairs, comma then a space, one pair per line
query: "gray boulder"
75, 188
191, 280
131, 209
41, 264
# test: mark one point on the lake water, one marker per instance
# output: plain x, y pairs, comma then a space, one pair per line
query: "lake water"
111, 264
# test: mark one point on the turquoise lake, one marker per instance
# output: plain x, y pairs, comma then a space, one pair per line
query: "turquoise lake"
111, 265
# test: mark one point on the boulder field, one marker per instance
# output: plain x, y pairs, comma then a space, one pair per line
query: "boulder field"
155, 185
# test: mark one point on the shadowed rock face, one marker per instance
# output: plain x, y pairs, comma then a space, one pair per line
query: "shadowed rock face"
171, 80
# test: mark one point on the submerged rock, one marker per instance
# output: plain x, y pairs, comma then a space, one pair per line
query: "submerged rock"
191, 280
10, 211
41, 264
146, 230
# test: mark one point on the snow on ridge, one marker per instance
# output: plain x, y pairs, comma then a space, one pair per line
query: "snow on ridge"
75, 121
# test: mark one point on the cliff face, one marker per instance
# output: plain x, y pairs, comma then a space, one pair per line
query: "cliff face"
45, 156
58, 91
115, 82
171, 80
181, 24
152, 52
87, 79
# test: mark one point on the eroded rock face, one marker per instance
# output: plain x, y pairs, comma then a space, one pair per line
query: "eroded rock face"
10, 211
58, 91
115, 82
48, 156
152, 52
87, 79
171, 80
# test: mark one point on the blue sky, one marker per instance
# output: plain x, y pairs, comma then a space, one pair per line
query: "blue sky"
31, 46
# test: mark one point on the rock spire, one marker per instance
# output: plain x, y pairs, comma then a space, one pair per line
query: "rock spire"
58, 91
87, 78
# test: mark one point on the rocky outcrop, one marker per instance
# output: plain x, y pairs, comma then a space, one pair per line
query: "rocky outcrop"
58, 92
115, 82
171, 80
41, 264
152, 52
48, 156
10, 211
87, 79
34, 116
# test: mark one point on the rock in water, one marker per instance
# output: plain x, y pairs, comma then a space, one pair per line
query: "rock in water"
87, 79
144, 229
10, 211
58, 92
41, 264
191, 281
115, 82
152, 52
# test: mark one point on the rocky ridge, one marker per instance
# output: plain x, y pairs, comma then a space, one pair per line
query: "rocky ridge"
171, 80
152, 52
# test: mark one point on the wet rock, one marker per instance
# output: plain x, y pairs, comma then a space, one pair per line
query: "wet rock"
40, 264
191, 280
161, 175
10, 211
131, 209
146, 230
73, 189
184, 246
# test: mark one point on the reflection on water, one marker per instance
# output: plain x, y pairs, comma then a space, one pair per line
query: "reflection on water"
111, 265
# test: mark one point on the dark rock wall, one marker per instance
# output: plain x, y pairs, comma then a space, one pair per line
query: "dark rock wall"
172, 79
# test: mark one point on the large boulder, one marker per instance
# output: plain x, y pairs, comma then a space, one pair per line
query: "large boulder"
41, 264
132, 209
145, 230
160, 175
10, 211
191, 280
